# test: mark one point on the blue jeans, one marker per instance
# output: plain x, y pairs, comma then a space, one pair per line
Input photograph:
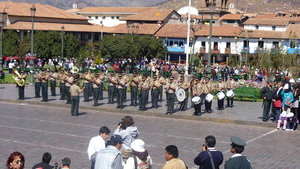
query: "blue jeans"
277, 111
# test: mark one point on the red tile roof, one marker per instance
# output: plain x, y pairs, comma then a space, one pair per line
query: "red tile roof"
232, 17
292, 31
116, 9
174, 31
143, 29
273, 22
225, 30
150, 15
57, 27
42, 11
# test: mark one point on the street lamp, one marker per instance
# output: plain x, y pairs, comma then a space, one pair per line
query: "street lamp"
248, 34
194, 29
62, 41
101, 22
32, 10
211, 5
1, 60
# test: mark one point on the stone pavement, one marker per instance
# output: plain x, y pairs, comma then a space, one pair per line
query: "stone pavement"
247, 113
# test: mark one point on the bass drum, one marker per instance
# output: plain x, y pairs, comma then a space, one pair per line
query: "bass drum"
180, 94
230, 93
220, 95
196, 100
209, 97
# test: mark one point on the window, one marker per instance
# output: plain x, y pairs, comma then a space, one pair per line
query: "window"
260, 44
292, 44
276, 44
103, 17
118, 17
202, 44
96, 17
273, 28
112, 17
256, 27
216, 47
246, 43
90, 17
231, 21
181, 43
228, 45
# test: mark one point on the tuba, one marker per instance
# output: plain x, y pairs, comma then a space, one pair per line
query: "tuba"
16, 75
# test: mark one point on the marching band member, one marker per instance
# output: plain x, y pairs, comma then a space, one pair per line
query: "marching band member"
155, 91
44, 79
126, 79
112, 81
207, 88
134, 89
185, 85
144, 90
62, 85
69, 81
230, 84
37, 84
86, 83
192, 83
221, 87
197, 91
96, 89
120, 91
22, 88
171, 88
53, 77
74, 94
160, 89
101, 77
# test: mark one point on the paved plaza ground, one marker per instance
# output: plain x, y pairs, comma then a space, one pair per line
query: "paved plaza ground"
34, 127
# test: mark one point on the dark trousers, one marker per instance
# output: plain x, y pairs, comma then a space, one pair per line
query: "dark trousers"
21, 92
120, 97
171, 100
266, 110
96, 95
207, 105
111, 94
229, 101
91, 89
125, 93
221, 103
143, 100
147, 96
154, 97
53, 86
197, 108
37, 89
100, 91
67, 93
86, 92
167, 101
62, 88
160, 92
183, 104
45, 91
75, 105
134, 92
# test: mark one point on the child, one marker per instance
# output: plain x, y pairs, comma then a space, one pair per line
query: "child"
292, 122
277, 109
282, 120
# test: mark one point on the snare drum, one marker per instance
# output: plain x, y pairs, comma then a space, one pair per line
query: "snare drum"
230, 93
220, 95
209, 97
180, 94
196, 100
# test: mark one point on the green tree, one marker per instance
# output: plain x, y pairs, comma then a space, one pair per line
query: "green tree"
23, 48
71, 46
10, 43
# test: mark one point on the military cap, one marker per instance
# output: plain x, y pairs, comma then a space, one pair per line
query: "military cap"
155, 76
237, 141
86, 70
230, 76
181, 77
22, 71
134, 72
120, 75
171, 78
96, 75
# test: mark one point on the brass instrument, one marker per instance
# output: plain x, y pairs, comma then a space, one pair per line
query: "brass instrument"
16, 76
192, 83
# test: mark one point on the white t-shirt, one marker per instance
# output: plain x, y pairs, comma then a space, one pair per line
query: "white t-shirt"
96, 144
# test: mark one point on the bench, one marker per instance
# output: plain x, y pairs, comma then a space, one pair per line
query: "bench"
246, 92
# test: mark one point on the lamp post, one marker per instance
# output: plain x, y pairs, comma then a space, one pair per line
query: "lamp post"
211, 5
62, 41
1, 60
248, 35
101, 22
32, 10
194, 29
188, 39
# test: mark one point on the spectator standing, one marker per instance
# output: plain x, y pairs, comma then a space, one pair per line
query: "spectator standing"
129, 133
10, 66
110, 157
97, 143
237, 160
209, 158
16, 160
141, 159
171, 156
66, 162
45, 162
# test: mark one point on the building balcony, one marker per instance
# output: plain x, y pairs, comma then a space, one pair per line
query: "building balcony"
259, 50
293, 50
245, 50
179, 49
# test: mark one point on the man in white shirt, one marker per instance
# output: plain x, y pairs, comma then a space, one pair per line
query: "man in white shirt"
97, 143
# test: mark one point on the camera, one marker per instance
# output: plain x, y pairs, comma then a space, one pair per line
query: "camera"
122, 125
